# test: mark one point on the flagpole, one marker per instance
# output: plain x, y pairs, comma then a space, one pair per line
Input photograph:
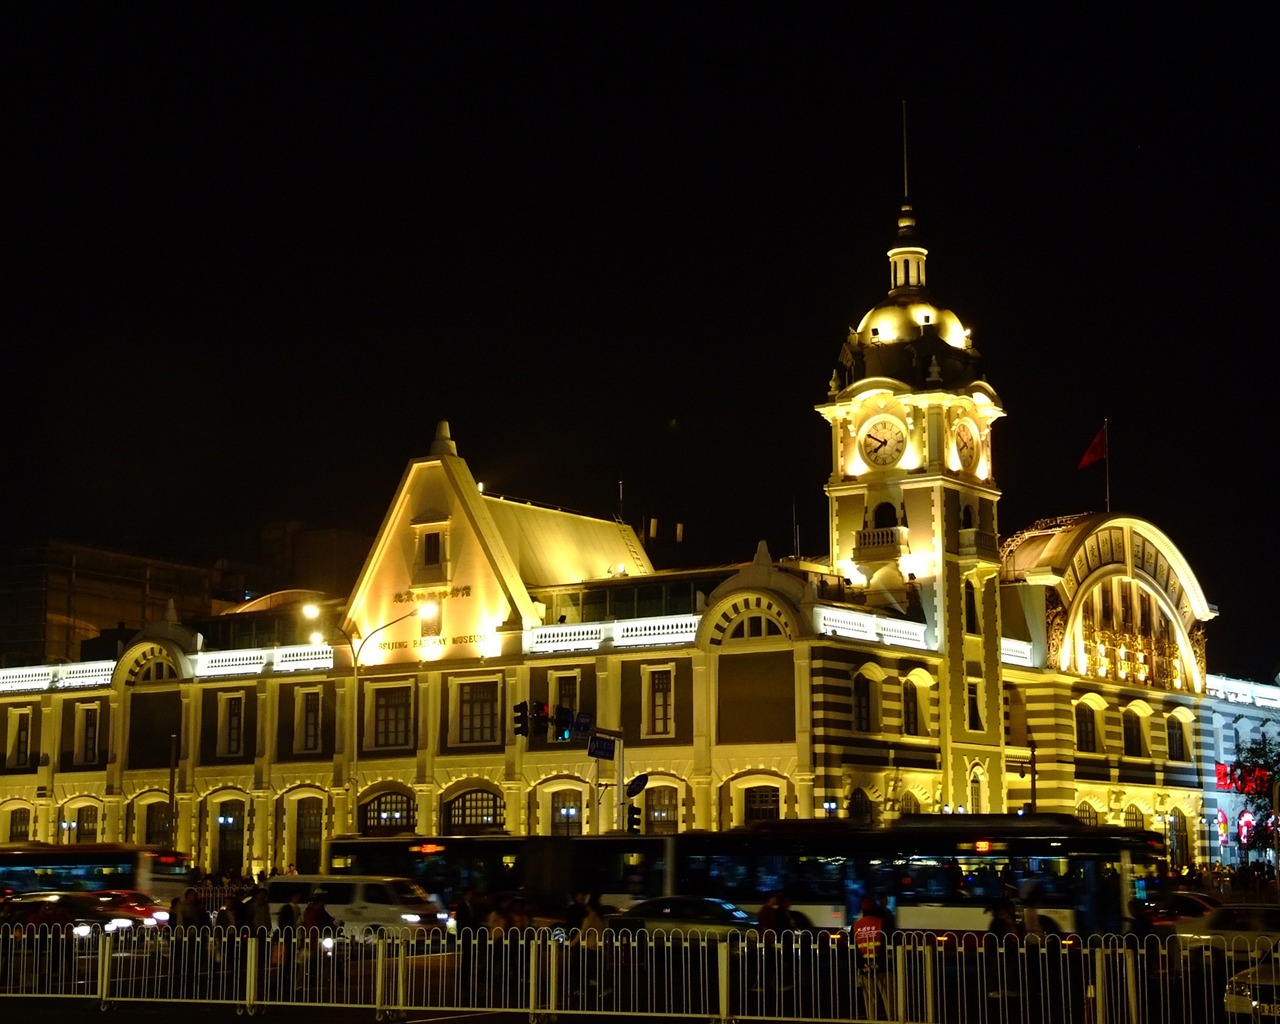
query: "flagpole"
1106, 458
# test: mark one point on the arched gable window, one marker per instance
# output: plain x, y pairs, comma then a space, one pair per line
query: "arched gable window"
387, 813
909, 804
1134, 818
863, 702
1086, 729
1086, 815
886, 515
1133, 739
910, 709
860, 811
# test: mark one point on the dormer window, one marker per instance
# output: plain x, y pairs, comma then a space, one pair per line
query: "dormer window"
431, 548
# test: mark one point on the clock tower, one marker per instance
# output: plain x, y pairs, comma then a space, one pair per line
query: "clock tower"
912, 502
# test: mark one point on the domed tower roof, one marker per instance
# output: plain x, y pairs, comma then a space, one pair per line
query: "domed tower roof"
906, 336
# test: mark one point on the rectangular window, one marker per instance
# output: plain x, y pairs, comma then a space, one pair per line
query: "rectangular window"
660, 702
86, 734
230, 724
20, 825
1177, 740
306, 722
478, 712
19, 753
391, 717
975, 709
564, 691
1086, 729
432, 549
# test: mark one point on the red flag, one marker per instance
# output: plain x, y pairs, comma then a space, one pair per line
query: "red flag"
1097, 450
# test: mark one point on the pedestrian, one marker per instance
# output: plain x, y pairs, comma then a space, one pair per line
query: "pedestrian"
871, 943
289, 921
587, 942
1003, 948
468, 928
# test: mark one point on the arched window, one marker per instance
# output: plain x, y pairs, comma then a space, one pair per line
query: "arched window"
860, 810
387, 814
886, 516
908, 804
1133, 745
863, 701
474, 812
20, 825
976, 805
155, 829
1179, 847
910, 709
1134, 818
1086, 815
1177, 735
661, 810
761, 803
566, 813
309, 816
1086, 729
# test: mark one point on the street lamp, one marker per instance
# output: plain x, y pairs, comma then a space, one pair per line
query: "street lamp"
426, 610
830, 807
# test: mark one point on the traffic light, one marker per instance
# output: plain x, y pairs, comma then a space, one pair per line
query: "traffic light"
522, 718
538, 713
633, 819
562, 723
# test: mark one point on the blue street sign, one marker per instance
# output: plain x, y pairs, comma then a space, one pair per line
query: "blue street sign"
600, 747
581, 725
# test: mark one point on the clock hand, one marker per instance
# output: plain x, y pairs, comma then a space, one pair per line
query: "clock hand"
880, 441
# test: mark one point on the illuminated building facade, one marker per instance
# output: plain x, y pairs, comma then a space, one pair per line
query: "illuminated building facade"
920, 664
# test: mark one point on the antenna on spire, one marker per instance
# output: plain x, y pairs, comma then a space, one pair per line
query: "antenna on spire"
905, 191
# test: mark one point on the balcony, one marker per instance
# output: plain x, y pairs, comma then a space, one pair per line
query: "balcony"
886, 544
979, 544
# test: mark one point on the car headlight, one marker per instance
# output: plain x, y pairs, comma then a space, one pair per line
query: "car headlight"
161, 915
327, 943
82, 931
411, 918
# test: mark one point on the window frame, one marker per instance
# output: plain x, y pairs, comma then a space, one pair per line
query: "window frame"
382, 692
651, 721
458, 710
1086, 739
231, 735
557, 688
18, 745
301, 696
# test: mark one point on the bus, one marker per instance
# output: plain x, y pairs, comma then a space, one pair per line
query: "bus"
85, 867
934, 872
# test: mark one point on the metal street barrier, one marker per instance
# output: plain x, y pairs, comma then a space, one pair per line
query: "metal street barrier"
921, 978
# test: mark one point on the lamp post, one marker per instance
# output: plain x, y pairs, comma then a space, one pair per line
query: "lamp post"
426, 610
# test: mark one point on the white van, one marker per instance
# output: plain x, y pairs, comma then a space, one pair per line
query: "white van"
362, 904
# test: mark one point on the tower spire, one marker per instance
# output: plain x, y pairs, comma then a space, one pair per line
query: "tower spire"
906, 192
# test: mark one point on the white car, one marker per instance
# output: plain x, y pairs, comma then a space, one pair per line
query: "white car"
1253, 995
1239, 933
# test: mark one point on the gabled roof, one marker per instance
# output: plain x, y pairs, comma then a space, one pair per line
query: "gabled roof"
551, 547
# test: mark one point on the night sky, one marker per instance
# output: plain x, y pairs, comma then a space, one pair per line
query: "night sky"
256, 252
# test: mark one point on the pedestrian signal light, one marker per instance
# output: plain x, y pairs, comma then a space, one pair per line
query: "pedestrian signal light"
562, 724
522, 718
538, 714
633, 819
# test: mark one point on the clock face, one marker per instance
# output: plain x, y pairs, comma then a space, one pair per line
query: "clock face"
883, 442
966, 445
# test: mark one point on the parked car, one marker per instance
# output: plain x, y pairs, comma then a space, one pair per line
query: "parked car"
688, 916
1238, 933
1172, 908
142, 908
80, 908
363, 904
1253, 994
